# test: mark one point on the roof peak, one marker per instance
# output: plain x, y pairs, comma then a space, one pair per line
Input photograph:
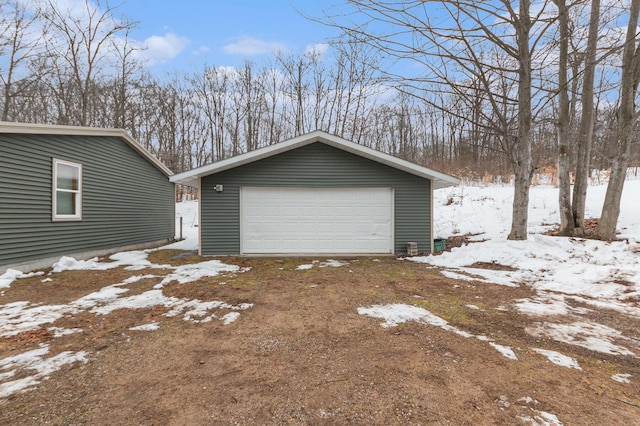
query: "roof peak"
191, 177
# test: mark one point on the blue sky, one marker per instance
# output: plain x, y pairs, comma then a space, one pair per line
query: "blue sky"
182, 35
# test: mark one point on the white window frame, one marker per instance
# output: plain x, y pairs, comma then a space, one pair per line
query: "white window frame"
54, 191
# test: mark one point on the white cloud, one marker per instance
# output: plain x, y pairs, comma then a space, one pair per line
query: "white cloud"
318, 49
162, 48
200, 50
249, 46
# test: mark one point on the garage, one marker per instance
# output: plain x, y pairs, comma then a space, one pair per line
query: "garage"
299, 220
315, 194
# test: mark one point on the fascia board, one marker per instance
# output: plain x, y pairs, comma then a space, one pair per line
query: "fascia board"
190, 178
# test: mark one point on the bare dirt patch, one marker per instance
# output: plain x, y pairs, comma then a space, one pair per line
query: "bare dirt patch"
492, 266
303, 355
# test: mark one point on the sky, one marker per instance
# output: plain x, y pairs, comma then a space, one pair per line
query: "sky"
184, 35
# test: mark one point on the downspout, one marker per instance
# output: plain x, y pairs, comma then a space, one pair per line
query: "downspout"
431, 208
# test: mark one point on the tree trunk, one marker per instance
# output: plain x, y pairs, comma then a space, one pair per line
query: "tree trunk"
522, 156
626, 118
564, 179
585, 133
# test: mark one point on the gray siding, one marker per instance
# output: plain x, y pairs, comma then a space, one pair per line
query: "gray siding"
314, 165
125, 199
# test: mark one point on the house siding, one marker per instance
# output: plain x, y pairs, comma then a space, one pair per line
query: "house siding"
314, 165
125, 199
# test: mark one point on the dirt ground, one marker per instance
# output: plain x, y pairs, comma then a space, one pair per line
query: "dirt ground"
303, 355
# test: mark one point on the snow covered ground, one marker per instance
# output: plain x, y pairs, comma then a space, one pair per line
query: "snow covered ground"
564, 272
602, 275
571, 277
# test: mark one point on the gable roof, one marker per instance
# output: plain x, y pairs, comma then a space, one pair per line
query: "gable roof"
191, 177
48, 129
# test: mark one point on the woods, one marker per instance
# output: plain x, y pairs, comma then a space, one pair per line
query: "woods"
470, 88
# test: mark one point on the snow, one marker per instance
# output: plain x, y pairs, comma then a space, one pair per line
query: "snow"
622, 378
192, 272
558, 358
590, 335
11, 275
188, 211
398, 313
329, 262
230, 317
571, 277
146, 327
59, 331
542, 419
534, 417
567, 265
18, 317
304, 267
131, 260
506, 351
35, 361
23, 316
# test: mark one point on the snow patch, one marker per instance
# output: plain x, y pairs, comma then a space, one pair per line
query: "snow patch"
146, 327
559, 359
195, 271
329, 262
506, 351
398, 313
230, 317
622, 378
541, 418
33, 360
593, 336
10, 275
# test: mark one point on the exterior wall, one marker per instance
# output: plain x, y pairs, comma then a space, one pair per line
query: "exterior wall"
314, 165
126, 201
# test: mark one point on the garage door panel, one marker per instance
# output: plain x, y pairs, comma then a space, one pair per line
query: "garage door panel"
316, 220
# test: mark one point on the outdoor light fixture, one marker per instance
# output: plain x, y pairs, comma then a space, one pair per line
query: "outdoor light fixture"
218, 188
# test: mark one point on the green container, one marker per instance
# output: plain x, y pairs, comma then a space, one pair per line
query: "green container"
439, 245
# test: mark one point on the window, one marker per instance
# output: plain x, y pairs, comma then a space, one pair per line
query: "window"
67, 190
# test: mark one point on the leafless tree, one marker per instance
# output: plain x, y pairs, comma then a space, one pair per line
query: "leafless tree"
128, 67
564, 143
585, 133
488, 41
84, 42
627, 117
21, 39
296, 70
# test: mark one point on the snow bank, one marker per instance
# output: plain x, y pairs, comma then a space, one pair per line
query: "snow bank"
188, 212
562, 271
486, 210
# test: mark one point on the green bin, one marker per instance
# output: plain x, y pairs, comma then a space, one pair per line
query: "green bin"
439, 245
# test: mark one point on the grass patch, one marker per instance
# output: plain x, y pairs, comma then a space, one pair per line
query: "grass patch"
449, 308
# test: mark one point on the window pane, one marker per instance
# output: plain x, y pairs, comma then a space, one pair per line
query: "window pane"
67, 177
65, 203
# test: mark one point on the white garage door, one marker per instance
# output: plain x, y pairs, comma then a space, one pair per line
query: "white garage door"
316, 220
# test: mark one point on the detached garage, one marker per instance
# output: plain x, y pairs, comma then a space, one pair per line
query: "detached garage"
314, 194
